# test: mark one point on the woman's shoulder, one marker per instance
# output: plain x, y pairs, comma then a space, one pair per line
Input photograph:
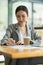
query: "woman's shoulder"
13, 25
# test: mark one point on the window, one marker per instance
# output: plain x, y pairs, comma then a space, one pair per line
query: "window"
38, 14
3, 17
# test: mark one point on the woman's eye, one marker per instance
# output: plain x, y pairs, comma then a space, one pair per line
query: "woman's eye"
23, 16
18, 16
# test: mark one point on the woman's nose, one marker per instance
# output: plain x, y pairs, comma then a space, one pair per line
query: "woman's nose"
21, 18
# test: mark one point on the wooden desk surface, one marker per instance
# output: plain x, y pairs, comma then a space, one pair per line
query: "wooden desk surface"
15, 53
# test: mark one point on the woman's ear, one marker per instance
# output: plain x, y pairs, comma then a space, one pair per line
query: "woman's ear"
28, 16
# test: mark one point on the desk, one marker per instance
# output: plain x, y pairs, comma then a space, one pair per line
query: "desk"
26, 53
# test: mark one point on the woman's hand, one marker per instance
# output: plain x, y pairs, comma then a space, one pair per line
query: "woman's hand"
10, 42
20, 43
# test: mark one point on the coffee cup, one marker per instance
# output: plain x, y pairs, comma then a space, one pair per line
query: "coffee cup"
26, 40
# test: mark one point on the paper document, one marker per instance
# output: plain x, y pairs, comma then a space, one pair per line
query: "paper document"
22, 47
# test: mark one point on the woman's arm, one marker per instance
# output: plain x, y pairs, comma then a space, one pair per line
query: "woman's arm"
36, 39
6, 36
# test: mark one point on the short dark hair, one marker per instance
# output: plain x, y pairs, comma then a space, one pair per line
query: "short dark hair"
21, 7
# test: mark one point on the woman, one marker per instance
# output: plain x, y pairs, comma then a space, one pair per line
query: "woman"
15, 34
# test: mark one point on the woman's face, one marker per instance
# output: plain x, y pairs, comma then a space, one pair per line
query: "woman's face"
21, 16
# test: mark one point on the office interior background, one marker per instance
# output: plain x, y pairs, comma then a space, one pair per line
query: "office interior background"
7, 15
